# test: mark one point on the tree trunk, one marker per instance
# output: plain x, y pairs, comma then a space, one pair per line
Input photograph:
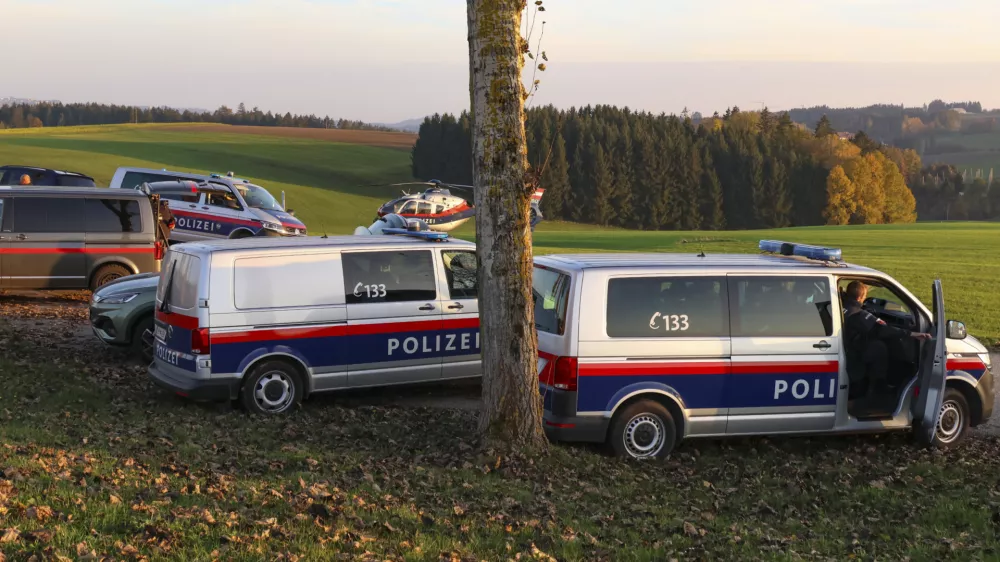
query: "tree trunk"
511, 417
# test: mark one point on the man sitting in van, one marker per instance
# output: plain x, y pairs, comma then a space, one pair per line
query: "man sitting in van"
865, 338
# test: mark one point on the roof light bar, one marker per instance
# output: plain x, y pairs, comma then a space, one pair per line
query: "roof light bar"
423, 234
801, 250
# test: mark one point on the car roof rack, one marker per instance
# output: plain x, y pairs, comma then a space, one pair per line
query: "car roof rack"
830, 256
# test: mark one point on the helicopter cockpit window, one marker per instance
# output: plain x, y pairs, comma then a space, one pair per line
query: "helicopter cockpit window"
424, 208
409, 207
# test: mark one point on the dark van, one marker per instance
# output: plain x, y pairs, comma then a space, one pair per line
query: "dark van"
11, 175
75, 238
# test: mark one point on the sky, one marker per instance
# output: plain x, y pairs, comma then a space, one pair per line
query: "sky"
390, 60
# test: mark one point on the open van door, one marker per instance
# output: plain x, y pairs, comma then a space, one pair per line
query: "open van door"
932, 373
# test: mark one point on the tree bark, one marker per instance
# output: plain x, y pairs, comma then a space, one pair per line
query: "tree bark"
511, 415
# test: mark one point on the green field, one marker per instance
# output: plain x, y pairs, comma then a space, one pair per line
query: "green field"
982, 152
323, 180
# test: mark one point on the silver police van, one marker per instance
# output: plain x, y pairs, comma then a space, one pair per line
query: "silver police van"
235, 209
640, 351
269, 321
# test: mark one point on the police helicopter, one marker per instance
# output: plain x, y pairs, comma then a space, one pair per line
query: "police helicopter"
440, 210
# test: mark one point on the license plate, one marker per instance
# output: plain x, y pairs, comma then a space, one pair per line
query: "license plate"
167, 355
160, 333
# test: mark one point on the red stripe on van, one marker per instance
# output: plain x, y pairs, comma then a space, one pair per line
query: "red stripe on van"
97, 250
654, 369
965, 365
177, 320
278, 334
777, 368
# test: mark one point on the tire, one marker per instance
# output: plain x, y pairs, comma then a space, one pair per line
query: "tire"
953, 420
140, 349
273, 388
643, 430
106, 274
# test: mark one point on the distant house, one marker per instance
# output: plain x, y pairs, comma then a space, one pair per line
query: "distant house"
845, 136
959, 110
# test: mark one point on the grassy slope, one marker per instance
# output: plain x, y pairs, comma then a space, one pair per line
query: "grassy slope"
983, 152
322, 180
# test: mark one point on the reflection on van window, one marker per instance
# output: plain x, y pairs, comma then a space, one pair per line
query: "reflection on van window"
460, 268
390, 276
183, 280
781, 307
550, 291
667, 307
47, 214
113, 215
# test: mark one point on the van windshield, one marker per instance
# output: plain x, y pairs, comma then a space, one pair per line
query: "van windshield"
550, 291
258, 197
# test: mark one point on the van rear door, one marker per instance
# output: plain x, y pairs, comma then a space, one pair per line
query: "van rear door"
932, 374
179, 337
45, 246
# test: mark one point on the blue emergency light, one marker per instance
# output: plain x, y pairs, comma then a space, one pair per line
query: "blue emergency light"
801, 250
423, 234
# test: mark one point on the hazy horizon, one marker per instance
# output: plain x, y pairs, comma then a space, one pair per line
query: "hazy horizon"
392, 60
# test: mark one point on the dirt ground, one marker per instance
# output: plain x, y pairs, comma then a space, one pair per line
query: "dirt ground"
62, 316
368, 138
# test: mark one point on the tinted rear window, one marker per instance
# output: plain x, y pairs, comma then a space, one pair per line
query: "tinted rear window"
667, 307
113, 215
47, 214
74, 181
181, 273
550, 291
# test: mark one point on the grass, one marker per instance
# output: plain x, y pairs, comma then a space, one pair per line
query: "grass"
96, 462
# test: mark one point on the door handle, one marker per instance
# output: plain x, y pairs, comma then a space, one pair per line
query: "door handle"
193, 206
821, 345
22, 237
427, 306
456, 306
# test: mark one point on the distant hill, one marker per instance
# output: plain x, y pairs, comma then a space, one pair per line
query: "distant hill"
24, 101
410, 125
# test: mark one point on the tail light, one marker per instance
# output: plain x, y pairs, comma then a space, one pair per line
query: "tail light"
201, 343
565, 374
158, 250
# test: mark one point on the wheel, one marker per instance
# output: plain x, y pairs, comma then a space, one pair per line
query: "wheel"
953, 420
643, 430
274, 387
107, 274
140, 347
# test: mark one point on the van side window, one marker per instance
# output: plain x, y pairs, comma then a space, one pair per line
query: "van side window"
113, 215
389, 276
781, 306
460, 268
227, 200
45, 214
667, 307
132, 180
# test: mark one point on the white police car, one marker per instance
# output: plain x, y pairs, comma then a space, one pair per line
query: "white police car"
643, 350
227, 208
272, 320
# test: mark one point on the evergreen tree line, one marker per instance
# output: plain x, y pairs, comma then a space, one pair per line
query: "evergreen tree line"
615, 167
46, 114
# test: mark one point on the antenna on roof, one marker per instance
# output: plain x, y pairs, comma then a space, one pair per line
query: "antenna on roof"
701, 254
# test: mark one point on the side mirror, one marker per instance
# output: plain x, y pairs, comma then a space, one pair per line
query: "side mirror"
290, 211
956, 330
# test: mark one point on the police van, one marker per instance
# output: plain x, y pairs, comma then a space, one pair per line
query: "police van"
270, 321
235, 208
640, 351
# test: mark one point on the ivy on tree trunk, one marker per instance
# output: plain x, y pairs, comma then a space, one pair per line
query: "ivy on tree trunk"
511, 416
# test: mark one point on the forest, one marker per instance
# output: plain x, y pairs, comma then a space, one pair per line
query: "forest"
612, 166
47, 114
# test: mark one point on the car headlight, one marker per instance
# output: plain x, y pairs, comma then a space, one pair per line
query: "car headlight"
273, 226
117, 298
